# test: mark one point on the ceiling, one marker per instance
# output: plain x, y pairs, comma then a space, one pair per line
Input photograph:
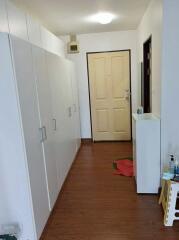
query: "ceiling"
71, 16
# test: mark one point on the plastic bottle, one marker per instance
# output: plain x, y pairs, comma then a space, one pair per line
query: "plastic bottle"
176, 168
172, 164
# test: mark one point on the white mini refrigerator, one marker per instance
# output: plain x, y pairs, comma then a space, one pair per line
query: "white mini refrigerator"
146, 152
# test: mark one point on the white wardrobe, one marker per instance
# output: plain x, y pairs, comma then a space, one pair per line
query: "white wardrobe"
39, 132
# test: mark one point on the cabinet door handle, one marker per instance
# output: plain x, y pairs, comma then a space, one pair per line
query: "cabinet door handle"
42, 134
45, 133
55, 124
74, 106
69, 112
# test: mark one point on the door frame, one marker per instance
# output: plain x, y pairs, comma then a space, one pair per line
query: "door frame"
89, 94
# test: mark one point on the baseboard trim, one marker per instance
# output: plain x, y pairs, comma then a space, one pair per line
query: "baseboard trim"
86, 140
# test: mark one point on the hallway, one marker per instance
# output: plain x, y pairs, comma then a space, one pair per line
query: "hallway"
96, 205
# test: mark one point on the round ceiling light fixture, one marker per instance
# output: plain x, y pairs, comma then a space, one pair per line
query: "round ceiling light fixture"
102, 17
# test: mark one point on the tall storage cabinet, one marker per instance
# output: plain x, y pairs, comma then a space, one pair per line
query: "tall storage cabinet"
22, 164
37, 133
146, 152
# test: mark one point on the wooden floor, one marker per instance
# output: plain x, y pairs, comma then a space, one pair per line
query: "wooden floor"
97, 205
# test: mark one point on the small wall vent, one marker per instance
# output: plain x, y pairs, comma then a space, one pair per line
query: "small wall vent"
73, 45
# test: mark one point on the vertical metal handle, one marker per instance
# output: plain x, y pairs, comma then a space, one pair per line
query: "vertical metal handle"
42, 135
45, 133
74, 106
69, 112
55, 124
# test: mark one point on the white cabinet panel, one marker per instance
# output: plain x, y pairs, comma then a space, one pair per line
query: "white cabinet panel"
46, 122
66, 99
47, 42
76, 111
58, 94
22, 60
17, 21
3, 17
70, 124
146, 151
15, 204
60, 83
52, 43
13, 20
34, 33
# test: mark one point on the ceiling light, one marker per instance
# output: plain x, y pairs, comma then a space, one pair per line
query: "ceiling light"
102, 17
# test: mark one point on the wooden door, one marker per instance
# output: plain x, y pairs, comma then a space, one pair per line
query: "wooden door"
109, 80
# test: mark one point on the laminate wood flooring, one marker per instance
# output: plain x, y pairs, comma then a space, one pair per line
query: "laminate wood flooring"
95, 204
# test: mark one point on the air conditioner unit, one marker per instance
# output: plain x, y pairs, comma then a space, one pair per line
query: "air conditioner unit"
73, 45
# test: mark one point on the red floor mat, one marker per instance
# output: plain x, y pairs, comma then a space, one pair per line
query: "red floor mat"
124, 167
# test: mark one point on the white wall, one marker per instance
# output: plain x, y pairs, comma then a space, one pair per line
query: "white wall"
98, 42
151, 25
161, 20
170, 81
13, 20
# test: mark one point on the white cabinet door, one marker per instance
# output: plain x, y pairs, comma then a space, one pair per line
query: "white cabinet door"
23, 67
60, 83
65, 65
17, 21
58, 94
76, 114
45, 110
15, 200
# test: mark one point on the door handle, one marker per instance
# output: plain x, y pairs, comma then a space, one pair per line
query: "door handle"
127, 94
55, 124
69, 112
127, 91
74, 106
43, 134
